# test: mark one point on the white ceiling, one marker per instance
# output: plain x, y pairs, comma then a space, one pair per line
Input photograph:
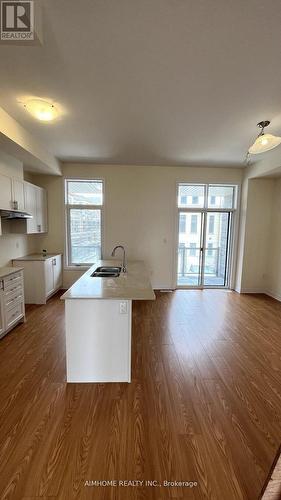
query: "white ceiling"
150, 81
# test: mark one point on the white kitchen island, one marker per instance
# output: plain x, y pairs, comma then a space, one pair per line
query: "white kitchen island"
98, 323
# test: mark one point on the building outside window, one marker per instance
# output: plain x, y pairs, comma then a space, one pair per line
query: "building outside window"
182, 225
84, 205
193, 225
192, 251
210, 249
211, 224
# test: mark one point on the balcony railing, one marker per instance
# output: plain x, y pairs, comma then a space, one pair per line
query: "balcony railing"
189, 261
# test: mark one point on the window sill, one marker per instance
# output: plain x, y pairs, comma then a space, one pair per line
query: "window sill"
77, 268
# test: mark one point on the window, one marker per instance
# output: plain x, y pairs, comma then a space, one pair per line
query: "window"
207, 196
182, 227
211, 224
192, 251
190, 195
83, 202
193, 225
222, 196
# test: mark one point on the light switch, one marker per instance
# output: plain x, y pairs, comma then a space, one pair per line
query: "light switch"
123, 309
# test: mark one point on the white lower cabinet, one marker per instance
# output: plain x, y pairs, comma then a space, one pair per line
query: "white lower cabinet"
11, 301
42, 276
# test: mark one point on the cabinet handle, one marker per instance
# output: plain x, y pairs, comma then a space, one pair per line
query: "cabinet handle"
14, 315
54, 262
39, 228
2, 285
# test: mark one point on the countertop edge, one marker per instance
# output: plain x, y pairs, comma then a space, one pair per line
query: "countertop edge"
9, 270
141, 293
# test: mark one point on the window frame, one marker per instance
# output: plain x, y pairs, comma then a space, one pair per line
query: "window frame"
67, 207
235, 214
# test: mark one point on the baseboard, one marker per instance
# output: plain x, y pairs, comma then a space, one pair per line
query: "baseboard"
168, 288
274, 295
270, 293
251, 290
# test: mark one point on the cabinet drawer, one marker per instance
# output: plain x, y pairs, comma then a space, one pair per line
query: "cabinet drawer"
11, 290
14, 314
11, 282
14, 296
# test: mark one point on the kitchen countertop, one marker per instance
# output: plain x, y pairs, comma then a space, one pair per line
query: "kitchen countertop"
6, 271
37, 256
133, 285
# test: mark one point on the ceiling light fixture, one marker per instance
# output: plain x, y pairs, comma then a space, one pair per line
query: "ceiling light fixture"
42, 110
264, 142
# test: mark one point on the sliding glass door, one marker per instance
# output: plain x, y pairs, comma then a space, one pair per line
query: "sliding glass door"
216, 248
190, 248
204, 235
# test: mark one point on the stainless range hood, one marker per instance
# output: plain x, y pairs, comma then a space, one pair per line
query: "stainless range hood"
14, 214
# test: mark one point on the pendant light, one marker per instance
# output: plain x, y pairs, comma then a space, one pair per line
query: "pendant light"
264, 142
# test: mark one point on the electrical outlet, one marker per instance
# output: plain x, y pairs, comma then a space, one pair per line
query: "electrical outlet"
123, 309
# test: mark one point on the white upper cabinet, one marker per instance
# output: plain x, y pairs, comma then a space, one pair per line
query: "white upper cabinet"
36, 205
41, 210
5, 192
18, 194
30, 206
11, 193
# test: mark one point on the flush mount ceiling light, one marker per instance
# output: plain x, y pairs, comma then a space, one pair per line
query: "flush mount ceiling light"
264, 142
42, 110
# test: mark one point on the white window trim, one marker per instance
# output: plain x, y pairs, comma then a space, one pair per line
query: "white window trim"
67, 208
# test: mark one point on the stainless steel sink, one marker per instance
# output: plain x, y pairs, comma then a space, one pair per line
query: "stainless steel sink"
106, 272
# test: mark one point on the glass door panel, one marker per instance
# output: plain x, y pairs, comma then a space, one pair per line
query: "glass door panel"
190, 249
216, 245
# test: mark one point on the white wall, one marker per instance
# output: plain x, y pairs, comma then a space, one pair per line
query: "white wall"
14, 245
255, 235
274, 267
140, 211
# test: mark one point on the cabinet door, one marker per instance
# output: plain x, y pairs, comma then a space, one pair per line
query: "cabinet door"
5, 192
57, 269
41, 210
30, 206
18, 194
49, 276
2, 323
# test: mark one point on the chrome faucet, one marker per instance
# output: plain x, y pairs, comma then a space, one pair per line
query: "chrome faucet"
124, 263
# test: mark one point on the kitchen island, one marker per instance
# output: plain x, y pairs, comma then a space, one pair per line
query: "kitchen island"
98, 323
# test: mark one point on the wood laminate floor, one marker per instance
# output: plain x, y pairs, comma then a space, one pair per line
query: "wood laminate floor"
204, 404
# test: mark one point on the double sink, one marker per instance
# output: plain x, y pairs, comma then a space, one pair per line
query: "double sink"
106, 272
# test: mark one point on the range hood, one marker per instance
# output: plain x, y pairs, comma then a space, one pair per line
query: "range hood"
14, 214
